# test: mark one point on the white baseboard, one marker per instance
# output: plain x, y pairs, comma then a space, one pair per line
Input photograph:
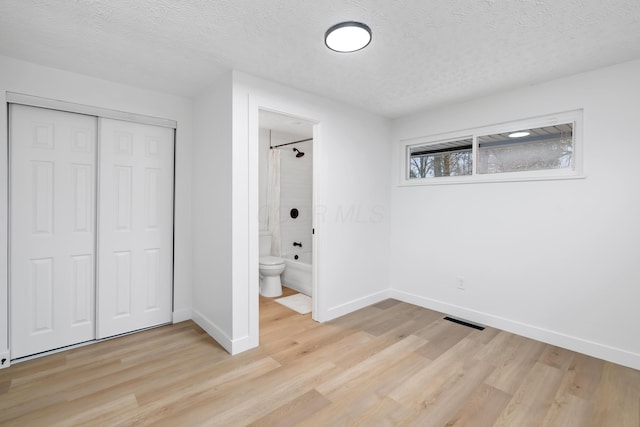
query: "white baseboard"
241, 344
182, 315
232, 346
615, 355
357, 304
213, 330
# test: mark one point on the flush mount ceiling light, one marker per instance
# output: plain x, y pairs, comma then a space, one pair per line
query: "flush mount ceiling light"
519, 134
348, 36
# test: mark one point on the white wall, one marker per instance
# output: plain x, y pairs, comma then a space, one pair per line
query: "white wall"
212, 212
351, 152
27, 78
553, 260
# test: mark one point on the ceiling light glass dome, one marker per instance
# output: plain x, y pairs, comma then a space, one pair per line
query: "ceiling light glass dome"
348, 36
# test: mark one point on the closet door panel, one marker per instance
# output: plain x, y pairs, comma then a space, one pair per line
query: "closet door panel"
135, 244
52, 229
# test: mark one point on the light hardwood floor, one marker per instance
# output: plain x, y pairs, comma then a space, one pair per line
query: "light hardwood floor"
388, 364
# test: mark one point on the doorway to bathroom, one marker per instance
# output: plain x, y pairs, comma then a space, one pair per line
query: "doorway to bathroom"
286, 211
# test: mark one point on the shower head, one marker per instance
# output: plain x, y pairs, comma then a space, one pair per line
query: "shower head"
298, 153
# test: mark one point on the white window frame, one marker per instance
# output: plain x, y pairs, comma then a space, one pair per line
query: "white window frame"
575, 172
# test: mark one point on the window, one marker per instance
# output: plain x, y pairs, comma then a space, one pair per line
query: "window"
549, 147
452, 158
539, 148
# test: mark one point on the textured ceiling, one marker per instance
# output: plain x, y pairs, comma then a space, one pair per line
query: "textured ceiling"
424, 53
292, 126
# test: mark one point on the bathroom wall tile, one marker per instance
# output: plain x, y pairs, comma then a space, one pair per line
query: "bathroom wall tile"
296, 186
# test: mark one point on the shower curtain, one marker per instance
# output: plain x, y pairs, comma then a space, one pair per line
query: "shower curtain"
273, 201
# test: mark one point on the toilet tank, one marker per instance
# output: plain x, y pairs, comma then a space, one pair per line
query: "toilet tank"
265, 243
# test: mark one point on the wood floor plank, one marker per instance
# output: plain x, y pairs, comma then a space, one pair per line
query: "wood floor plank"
73, 412
198, 374
365, 395
587, 376
433, 375
617, 400
295, 411
344, 412
34, 368
387, 413
195, 402
388, 364
391, 318
238, 407
380, 383
312, 352
376, 344
89, 378
569, 410
99, 413
514, 364
441, 337
344, 382
531, 402
446, 401
498, 348
484, 406
357, 320
484, 336
395, 375
23, 406
383, 305
557, 357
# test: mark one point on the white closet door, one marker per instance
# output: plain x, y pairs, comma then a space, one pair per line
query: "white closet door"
52, 214
135, 227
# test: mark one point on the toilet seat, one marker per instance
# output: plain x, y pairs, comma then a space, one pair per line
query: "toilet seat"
271, 261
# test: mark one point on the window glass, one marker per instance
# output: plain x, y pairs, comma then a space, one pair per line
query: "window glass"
537, 148
549, 147
450, 158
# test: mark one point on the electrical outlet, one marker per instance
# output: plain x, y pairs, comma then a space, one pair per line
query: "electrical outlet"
460, 283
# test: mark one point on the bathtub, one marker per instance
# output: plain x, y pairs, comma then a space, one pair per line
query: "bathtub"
297, 274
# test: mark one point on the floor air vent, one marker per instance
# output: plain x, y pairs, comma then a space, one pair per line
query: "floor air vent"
462, 322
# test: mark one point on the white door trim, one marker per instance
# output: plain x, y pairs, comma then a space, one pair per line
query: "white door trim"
255, 104
54, 104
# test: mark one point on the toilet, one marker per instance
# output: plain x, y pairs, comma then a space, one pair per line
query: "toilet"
271, 268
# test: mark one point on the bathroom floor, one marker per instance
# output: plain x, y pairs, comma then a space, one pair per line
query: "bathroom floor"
271, 310
285, 293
